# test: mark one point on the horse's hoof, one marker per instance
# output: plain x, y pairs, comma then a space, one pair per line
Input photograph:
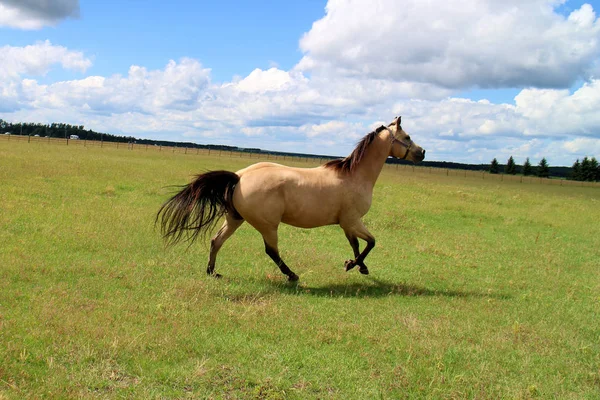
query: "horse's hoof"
216, 276
293, 278
363, 268
349, 264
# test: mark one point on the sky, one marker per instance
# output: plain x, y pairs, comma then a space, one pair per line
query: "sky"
472, 79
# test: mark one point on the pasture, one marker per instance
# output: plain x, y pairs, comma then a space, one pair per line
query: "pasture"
478, 289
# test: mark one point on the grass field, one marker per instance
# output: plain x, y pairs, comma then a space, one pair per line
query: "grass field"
478, 289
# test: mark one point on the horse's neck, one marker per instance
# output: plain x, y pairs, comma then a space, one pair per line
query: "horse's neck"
372, 163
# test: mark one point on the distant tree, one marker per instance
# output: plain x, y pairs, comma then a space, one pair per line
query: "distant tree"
527, 170
543, 169
595, 169
511, 167
576, 173
494, 167
586, 172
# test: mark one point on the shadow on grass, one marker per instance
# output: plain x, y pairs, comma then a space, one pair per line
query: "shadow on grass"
376, 288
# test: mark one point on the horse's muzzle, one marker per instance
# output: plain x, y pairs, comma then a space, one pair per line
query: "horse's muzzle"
419, 156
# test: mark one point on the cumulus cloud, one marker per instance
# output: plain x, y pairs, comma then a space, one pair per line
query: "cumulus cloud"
260, 81
35, 14
37, 59
582, 146
456, 43
33, 60
176, 88
558, 112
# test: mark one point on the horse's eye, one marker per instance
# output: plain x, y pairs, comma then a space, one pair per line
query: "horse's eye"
408, 138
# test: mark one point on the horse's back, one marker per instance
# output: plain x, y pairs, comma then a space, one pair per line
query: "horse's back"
257, 166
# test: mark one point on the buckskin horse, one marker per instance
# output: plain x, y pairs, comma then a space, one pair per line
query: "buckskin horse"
267, 194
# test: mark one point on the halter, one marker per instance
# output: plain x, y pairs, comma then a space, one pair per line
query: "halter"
402, 143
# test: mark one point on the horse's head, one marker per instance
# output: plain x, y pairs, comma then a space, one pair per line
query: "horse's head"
402, 145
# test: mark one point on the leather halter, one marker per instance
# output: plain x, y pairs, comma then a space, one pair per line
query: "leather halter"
402, 143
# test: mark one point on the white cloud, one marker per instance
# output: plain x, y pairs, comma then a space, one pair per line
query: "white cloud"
456, 43
338, 131
559, 113
583, 147
37, 59
176, 88
35, 14
260, 81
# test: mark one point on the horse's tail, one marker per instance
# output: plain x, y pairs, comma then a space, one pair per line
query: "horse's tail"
198, 206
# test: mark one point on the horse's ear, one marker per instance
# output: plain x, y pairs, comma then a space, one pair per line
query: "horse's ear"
398, 121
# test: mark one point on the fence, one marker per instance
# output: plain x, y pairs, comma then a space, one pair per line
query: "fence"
275, 157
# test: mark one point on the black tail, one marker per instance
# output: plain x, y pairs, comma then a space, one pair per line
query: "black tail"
198, 206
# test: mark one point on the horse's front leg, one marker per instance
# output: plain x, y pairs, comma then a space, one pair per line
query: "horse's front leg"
352, 234
349, 264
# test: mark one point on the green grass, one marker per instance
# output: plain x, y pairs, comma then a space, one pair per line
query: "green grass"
478, 289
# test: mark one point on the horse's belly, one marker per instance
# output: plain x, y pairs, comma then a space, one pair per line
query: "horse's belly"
307, 221
309, 216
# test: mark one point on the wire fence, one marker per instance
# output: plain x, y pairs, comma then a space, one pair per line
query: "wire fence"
278, 157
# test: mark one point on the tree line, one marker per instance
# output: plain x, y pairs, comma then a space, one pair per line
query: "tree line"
586, 170
66, 131
58, 130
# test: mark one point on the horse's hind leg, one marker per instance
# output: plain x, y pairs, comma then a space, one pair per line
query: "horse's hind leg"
227, 229
270, 238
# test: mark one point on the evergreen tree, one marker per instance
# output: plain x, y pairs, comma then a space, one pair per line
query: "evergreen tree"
494, 167
511, 167
586, 170
576, 173
595, 170
527, 170
543, 169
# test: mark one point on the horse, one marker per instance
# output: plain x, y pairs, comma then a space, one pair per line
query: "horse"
267, 194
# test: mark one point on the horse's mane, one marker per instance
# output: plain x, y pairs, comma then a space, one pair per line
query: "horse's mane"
348, 164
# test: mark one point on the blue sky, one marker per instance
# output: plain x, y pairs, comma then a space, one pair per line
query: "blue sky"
473, 79
230, 37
